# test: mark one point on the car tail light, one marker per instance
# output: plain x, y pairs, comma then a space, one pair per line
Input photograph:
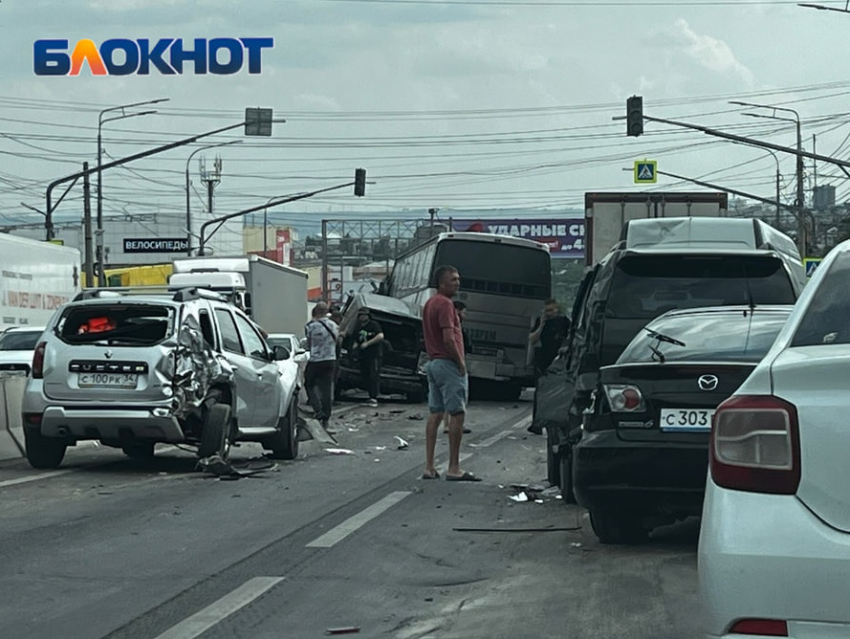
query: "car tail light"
624, 398
760, 627
755, 445
38, 361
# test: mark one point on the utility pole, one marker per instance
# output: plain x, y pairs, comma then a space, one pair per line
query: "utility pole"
89, 265
212, 179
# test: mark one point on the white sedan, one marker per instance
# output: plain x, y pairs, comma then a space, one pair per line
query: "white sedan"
774, 549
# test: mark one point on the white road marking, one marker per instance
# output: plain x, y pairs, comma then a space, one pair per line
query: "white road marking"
337, 534
40, 476
520, 425
202, 621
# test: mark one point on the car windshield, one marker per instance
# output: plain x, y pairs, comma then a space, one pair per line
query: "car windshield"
644, 287
132, 324
19, 340
717, 337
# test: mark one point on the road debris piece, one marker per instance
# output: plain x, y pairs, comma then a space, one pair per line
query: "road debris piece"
396, 411
402, 443
318, 433
348, 630
380, 447
227, 471
416, 417
521, 497
339, 451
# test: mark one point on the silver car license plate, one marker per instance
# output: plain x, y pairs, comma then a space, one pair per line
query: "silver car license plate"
686, 419
107, 380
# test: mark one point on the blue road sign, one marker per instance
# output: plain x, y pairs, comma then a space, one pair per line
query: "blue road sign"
811, 264
646, 172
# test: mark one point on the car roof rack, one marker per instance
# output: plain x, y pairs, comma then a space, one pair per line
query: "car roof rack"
96, 293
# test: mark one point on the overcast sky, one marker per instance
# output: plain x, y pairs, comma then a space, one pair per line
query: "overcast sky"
458, 105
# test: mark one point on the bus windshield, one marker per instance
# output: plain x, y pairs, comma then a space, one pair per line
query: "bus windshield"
498, 269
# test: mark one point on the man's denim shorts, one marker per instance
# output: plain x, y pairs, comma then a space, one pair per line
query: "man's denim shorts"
447, 388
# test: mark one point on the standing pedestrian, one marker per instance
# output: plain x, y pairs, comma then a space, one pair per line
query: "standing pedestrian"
548, 334
460, 307
368, 338
321, 333
447, 380
546, 337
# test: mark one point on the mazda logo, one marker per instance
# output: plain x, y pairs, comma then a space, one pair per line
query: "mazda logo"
707, 382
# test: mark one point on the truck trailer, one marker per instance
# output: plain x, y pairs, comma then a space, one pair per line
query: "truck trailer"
273, 295
36, 279
606, 214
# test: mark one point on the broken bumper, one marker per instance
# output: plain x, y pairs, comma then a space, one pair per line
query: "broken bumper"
609, 473
150, 423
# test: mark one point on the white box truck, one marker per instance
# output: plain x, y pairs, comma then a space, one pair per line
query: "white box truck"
605, 214
274, 295
36, 278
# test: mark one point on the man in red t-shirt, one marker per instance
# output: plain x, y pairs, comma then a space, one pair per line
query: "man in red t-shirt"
447, 381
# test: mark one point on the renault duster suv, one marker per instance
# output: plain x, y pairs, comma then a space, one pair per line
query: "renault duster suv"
132, 371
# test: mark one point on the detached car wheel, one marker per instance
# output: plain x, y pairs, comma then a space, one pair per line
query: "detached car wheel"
215, 431
139, 450
43, 452
617, 527
284, 444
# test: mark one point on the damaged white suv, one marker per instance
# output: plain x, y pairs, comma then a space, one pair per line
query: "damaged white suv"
132, 371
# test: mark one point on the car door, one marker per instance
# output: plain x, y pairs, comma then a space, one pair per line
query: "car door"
266, 373
246, 378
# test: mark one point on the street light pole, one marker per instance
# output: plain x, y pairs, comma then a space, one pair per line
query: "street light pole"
188, 192
100, 122
802, 242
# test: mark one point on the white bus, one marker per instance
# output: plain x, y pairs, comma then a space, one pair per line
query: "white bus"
503, 282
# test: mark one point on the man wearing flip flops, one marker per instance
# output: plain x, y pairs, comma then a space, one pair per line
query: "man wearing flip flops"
446, 369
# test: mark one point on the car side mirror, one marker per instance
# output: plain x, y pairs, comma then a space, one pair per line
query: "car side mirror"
280, 353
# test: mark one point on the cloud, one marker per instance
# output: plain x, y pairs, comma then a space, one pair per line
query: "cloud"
712, 53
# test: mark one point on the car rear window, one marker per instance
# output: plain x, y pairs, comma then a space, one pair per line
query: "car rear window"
19, 340
644, 287
715, 337
827, 319
124, 325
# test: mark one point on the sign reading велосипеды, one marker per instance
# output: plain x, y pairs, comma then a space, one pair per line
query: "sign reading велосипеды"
565, 238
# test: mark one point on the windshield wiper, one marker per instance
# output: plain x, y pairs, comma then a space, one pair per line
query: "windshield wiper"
657, 355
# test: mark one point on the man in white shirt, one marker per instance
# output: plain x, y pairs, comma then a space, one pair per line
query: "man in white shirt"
321, 333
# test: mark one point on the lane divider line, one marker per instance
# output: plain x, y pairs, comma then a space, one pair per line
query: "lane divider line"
217, 611
28, 478
350, 525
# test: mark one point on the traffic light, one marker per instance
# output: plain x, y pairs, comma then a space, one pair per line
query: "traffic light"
359, 182
634, 116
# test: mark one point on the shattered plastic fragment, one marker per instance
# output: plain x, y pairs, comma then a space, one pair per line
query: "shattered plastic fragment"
339, 451
402, 443
348, 630
522, 497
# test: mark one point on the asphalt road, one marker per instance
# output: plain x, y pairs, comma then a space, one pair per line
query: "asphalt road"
109, 547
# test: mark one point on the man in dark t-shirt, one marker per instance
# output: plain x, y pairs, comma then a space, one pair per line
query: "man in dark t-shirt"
548, 334
368, 336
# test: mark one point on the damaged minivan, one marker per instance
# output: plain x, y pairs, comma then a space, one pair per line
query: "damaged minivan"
400, 349
133, 371
659, 265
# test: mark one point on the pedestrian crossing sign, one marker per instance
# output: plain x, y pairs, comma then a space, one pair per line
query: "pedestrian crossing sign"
646, 172
811, 264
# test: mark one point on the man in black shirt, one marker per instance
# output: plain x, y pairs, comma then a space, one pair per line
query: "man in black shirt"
547, 336
368, 336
